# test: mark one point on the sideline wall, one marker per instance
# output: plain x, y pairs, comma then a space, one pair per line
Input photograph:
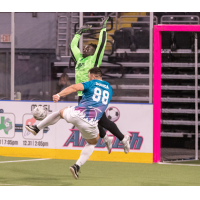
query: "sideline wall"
63, 141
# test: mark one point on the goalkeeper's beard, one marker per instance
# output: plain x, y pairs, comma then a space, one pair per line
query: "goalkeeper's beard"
84, 55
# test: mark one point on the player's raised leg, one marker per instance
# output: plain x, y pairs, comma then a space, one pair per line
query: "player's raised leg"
49, 120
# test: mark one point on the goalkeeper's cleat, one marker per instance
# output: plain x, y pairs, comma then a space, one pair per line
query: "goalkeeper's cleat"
74, 170
33, 129
109, 144
126, 144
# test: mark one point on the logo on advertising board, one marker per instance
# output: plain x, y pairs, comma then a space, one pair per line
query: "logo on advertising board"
28, 119
47, 107
7, 123
112, 114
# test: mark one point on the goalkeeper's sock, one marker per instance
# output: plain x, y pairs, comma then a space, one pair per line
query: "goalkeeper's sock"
110, 126
49, 120
85, 154
115, 131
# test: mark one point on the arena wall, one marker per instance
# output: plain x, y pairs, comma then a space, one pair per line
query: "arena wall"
63, 141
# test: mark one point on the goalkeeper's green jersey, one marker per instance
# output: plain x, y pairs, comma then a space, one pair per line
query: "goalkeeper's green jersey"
83, 65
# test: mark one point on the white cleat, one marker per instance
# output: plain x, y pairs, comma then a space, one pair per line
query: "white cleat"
126, 144
109, 144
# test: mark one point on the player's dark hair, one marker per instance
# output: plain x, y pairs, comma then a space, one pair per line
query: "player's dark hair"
93, 45
96, 71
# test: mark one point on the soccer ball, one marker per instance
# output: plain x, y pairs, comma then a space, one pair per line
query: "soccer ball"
39, 113
112, 114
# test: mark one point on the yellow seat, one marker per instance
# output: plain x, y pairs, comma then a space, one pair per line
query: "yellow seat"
133, 13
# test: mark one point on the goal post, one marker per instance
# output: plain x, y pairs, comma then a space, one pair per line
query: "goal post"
158, 29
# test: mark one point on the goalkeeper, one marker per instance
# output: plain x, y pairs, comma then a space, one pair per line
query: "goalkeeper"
92, 57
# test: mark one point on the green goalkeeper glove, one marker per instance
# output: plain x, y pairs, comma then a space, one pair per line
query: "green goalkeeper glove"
103, 23
83, 29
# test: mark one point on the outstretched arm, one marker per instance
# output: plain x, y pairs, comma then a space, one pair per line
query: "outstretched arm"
101, 44
76, 53
68, 90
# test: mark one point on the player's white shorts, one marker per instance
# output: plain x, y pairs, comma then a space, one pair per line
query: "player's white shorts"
87, 131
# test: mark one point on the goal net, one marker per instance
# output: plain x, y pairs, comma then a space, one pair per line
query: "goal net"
178, 84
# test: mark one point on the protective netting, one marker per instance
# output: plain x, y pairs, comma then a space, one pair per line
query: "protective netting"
5, 56
43, 63
178, 96
35, 46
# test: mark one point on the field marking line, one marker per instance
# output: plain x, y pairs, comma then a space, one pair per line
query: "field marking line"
177, 164
24, 160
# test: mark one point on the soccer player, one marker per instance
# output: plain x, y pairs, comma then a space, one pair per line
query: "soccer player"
96, 97
92, 57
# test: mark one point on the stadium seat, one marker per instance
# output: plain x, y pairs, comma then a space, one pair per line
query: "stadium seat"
183, 40
123, 39
141, 38
131, 38
166, 40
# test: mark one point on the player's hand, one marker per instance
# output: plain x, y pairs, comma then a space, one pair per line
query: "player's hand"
83, 29
103, 23
56, 98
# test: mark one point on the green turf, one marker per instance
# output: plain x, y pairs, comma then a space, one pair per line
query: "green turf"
56, 173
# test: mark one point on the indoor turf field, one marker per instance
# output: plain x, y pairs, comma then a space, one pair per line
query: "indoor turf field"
53, 172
